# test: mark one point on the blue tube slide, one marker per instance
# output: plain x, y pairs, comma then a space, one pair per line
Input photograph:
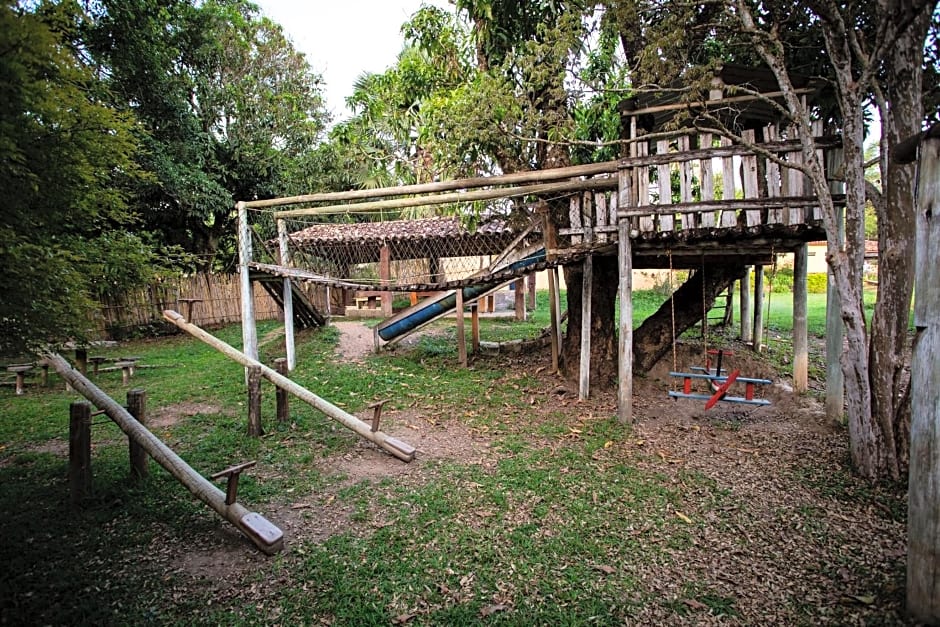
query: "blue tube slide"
449, 302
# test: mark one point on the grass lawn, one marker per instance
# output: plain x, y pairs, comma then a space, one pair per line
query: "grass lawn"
524, 505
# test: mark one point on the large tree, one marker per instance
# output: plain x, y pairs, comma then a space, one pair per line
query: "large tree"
67, 234
230, 110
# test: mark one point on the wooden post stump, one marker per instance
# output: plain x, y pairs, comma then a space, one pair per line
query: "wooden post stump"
81, 359
519, 287
254, 402
79, 451
474, 328
283, 398
137, 407
461, 333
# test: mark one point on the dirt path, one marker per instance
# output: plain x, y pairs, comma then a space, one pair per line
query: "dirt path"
355, 340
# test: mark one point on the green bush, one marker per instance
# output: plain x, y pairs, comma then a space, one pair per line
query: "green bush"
781, 281
816, 283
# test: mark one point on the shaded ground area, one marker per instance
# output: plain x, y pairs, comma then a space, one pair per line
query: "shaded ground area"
526, 506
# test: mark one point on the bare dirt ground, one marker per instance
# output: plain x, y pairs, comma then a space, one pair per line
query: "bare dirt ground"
776, 463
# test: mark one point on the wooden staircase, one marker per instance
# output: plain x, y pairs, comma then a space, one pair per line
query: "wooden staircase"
305, 314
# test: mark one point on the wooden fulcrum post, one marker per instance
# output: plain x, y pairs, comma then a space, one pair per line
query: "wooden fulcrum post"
137, 407
79, 451
254, 402
281, 396
376, 408
231, 474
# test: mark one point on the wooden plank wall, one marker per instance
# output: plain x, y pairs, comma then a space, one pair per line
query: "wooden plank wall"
220, 294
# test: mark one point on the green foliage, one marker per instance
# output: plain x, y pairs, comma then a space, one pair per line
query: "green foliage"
67, 161
779, 280
816, 282
228, 109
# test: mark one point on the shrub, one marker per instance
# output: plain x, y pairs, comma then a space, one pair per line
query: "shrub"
816, 283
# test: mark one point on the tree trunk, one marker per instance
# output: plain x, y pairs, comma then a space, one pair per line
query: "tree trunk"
653, 339
603, 323
889, 338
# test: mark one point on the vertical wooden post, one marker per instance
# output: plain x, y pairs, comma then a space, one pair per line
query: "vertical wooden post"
461, 333
81, 360
79, 451
584, 374
137, 407
475, 327
745, 297
249, 331
254, 402
757, 342
281, 395
800, 325
519, 294
289, 295
530, 280
385, 275
835, 326
923, 522
625, 337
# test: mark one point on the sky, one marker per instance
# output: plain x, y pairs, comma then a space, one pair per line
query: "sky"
343, 39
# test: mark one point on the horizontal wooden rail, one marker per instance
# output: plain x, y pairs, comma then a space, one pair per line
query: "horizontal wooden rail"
750, 204
442, 199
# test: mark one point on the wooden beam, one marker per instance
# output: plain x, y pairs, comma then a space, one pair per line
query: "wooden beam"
758, 336
716, 102
454, 197
800, 325
532, 176
394, 446
923, 521
747, 204
475, 327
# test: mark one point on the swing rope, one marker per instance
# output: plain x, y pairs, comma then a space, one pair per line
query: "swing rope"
672, 311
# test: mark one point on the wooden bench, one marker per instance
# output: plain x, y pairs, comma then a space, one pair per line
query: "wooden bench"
369, 299
20, 371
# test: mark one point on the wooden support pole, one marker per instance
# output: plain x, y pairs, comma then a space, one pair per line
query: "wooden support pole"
625, 198
81, 360
584, 374
79, 451
530, 280
249, 330
475, 327
745, 297
461, 332
137, 407
758, 337
519, 294
396, 447
283, 398
254, 402
265, 535
385, 276
550, 239
923, 522
288, 296
800, 325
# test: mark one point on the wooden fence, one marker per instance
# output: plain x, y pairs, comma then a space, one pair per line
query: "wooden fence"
215, 300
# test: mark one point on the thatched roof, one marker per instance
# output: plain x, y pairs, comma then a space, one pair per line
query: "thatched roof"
407, 239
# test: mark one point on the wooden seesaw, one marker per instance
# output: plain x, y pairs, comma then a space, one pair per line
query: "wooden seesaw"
266, 536
719, 382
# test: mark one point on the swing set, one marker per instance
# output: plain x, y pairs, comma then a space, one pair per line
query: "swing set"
719, 381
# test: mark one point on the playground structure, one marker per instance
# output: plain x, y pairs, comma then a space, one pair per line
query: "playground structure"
682, 199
